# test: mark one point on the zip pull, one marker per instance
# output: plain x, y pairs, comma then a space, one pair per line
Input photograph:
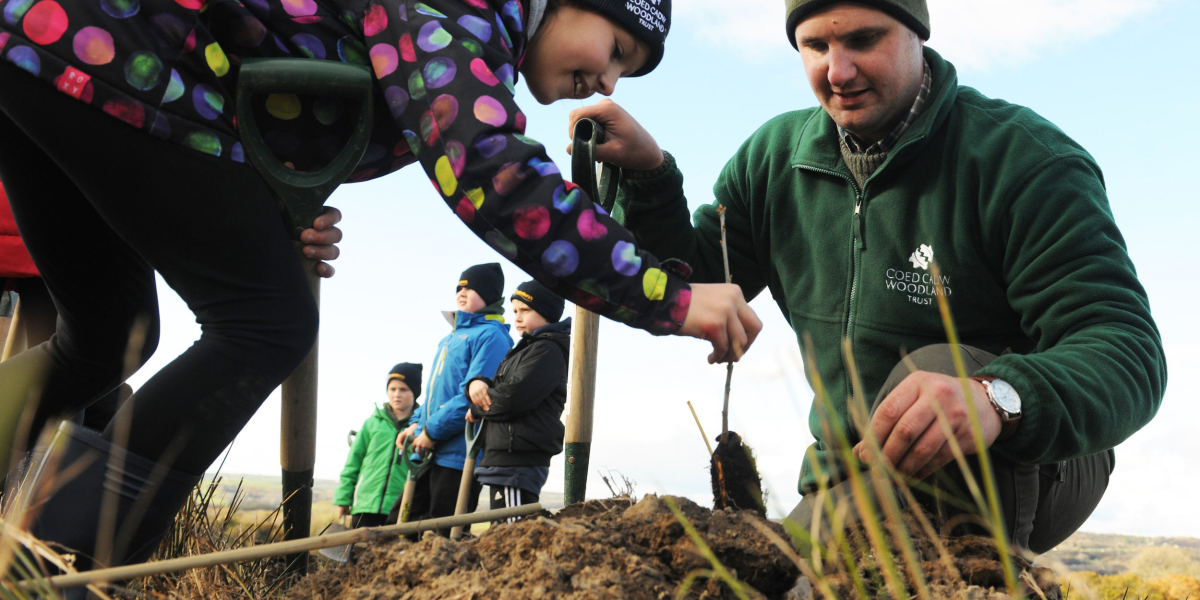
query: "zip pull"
859, 217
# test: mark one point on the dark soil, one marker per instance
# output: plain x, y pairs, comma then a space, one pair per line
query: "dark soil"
970, 568
617, 549
735, 480
596, 550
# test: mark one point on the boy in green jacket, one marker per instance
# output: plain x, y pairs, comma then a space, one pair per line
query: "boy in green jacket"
841, 212
374, 474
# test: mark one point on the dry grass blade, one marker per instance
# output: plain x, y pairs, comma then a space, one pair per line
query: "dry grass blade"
702, 434
861, 497
805, 569
985, 462
882, 476
722, 573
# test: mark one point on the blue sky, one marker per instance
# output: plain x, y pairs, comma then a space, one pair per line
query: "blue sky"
1117, 75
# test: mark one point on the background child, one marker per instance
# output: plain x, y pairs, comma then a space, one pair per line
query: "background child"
522, 405
474, 349
374, 475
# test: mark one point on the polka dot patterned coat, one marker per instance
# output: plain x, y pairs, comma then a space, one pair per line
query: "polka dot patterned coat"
445, 73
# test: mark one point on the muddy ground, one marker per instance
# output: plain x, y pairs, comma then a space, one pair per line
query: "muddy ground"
612, 549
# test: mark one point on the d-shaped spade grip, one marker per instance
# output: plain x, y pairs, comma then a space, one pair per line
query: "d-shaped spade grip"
303, 192
587, 135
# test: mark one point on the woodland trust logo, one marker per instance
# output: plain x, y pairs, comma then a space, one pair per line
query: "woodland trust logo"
648, 14
916, 283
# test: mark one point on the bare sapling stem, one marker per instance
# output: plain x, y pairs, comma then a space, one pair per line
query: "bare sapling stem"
729, 368
702, 434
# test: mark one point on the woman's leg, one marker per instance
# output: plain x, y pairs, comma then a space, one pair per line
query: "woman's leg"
209, 226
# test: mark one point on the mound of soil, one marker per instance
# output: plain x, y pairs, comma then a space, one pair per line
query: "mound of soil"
965, 568
599, 550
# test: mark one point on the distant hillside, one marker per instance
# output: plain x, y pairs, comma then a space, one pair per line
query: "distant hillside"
1112, 553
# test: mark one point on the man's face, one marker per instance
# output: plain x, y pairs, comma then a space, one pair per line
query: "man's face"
864, 66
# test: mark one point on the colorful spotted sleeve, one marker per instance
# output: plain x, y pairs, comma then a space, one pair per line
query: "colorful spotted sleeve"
448, 70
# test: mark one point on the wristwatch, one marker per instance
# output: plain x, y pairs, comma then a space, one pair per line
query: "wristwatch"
1007, 403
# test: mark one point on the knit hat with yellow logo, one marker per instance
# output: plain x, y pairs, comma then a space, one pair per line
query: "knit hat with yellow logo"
541, 300
410, 374
913, 13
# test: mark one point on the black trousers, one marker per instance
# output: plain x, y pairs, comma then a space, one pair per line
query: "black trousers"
1041, 505
367, 520
102, 207
436, 495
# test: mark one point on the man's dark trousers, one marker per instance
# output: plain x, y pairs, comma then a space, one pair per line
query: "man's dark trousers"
1041, 505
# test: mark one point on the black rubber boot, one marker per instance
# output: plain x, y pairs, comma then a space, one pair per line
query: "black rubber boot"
96, 476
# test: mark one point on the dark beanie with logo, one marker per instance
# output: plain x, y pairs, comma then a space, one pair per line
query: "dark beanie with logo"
913, 13
487, 280
541, 299
410, 374
647, 20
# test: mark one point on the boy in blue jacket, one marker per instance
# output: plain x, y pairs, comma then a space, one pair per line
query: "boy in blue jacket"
474, 349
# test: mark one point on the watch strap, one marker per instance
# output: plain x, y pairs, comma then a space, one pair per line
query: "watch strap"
1008, 422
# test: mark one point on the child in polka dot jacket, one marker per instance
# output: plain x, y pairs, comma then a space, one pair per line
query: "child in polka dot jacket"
183, 202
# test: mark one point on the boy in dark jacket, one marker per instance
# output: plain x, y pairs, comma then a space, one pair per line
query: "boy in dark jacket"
522, 405
374, 475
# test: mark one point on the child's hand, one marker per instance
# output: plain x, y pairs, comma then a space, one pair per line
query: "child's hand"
478, 392
627, 144
471, 417
341, 511
422, 442
719, 314
403, 435
320, 239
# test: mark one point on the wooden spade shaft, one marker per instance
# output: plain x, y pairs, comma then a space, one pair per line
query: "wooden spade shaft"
298, 435
281, 548
581, 398
464, 495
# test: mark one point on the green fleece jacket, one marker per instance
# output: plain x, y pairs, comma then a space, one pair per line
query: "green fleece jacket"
1013, 211
374, 475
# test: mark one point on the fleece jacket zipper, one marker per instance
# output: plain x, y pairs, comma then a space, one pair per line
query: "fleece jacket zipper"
856, 236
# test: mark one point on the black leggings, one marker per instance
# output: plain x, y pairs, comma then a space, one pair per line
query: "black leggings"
101, 207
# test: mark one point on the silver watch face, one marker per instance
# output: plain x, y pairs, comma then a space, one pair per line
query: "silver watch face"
1005, 397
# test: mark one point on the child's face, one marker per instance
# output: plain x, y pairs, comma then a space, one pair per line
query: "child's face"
468, 300
577, 53
400, 398
525, 319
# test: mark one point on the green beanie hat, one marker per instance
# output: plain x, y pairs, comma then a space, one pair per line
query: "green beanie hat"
913, 13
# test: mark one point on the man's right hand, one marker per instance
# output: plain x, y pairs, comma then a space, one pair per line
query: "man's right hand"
626, 143
720, 315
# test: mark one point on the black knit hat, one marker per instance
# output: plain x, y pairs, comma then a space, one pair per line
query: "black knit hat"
410, 374
913, 13
487, 281
541, 299
647, 20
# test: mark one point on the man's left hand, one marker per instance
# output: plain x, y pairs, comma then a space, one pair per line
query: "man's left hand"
320, 239
907, 427
422, 442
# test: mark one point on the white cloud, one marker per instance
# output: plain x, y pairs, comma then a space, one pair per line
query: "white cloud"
975, 34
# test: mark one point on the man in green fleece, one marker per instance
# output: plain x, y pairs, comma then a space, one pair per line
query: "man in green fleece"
841, 212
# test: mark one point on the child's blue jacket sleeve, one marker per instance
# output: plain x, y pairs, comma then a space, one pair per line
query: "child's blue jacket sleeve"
487, 350
447, 69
